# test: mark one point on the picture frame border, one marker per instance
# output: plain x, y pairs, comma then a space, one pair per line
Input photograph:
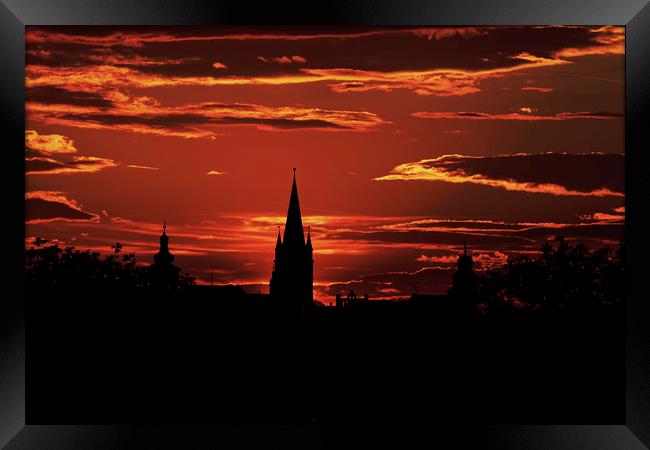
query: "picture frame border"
16, 14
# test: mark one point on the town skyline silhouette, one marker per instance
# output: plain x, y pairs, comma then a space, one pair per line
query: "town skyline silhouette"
451, 248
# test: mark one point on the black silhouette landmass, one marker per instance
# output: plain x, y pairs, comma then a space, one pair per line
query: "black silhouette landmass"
107, 342
113, 341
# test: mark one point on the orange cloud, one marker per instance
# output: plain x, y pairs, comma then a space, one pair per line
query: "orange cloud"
49, 206
444, 259
105, 76
50, 155
136, 166
445, 33
148, 116
78, 164
284, 59
482, 260
528, 116
441, 82
110, 68
513, 172
137, 39
215, 172
49, 143
606, 217
608, 40
603, 217
537, 89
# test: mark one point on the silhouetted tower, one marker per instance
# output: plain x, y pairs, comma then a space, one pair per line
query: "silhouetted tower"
292, 280
164, 273
464, 280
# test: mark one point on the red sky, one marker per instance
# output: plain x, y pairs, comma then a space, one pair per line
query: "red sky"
407, 141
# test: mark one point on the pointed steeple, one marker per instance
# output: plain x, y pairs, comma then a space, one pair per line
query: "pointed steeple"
309, 247
278, 243
293, 232
292, 279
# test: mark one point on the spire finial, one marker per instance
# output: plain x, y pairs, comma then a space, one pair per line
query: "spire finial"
164, 225
294, 173
464, 247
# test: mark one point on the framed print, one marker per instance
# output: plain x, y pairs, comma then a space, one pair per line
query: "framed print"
352, 223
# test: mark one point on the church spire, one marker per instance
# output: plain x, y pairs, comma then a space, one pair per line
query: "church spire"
309, 247
278, 243
292, 279
293, 232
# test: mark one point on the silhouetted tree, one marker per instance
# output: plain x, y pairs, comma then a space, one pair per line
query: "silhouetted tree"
49, 267
565, 278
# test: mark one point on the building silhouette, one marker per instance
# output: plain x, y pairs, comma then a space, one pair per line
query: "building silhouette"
464, 280
292, 280
351, 299
164, 274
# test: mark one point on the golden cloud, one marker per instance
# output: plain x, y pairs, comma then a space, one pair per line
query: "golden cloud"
146, 115
49, 143
599, 176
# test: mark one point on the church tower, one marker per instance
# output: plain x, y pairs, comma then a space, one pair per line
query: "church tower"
164, 274
464, 280
292, 280
164, 256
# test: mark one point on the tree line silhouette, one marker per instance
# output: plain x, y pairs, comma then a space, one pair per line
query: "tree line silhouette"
522, 339
48, 266
561, 279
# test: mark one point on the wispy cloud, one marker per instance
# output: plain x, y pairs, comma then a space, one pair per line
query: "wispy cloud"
537, 89
525, 115
283, 59
600, 174
56, 154
48, 206
77, 164
148, 116
137, 166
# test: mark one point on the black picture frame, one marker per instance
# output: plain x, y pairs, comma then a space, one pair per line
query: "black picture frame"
16, 14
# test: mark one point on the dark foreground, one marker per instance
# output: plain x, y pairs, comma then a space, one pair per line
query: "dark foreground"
110, 358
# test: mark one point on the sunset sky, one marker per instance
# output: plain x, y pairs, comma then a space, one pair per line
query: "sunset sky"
407, 141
